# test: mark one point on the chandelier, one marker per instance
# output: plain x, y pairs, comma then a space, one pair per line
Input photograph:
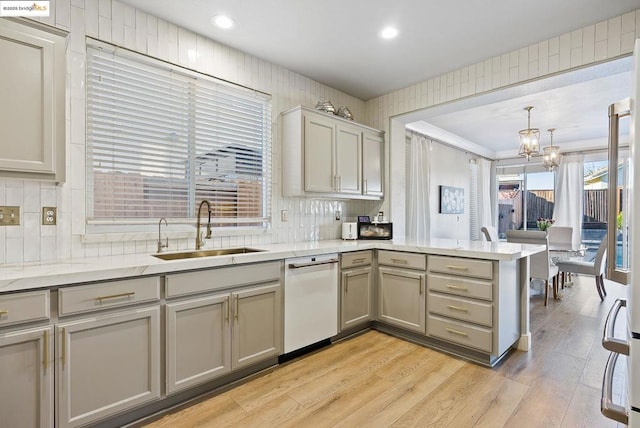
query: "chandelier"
551, 156
529, 138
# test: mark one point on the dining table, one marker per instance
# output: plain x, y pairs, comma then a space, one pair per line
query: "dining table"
562, 251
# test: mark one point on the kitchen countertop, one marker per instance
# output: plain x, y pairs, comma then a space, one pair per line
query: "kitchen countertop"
34, 275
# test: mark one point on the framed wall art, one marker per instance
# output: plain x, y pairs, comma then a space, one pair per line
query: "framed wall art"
451, 200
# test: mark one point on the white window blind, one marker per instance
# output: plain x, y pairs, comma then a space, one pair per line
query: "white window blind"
473, 201
160, 139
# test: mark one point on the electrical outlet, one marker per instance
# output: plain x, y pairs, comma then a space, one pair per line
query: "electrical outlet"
49, 216
284, 216
9, 216
338, 215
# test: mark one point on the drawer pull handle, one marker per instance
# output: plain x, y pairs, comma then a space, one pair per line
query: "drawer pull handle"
458, 332
228, 309
457, 287
3, 312
608, 408
399, 261
45, 350
458, 267
421, 284
115, 296
360, 260
609, 341
458, 308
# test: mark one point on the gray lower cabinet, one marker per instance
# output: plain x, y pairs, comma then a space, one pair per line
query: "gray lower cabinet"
233, 321
26, 360
401, 290
356, 289
26, 389
107, 364
257, 324
107, 349
198, 341
473, 303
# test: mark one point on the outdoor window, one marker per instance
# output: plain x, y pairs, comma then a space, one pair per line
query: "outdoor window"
594, 225
160, 139
523, 197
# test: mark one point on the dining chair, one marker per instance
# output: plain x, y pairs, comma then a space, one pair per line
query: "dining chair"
490, 233
595, 268
540, 266
561, 236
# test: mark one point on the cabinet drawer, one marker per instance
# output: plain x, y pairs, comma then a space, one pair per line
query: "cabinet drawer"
460, 333
359, 258
460, 286
462, 309
460, 266
182, 284
24, 307
400, 259
85, 298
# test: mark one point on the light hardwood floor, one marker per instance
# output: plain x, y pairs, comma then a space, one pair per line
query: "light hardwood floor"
375, 380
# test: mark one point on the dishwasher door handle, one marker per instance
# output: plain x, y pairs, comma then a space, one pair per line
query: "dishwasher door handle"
303, 265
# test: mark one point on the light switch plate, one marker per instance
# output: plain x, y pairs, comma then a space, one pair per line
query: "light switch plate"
49, 216
284, 216
9, 216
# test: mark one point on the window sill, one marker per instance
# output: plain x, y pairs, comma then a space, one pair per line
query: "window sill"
183, 234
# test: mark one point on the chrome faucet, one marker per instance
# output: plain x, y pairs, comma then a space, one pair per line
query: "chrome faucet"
199, 240
161, 244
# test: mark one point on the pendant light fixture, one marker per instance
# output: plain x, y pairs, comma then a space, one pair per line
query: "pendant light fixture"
529, 138
551, 156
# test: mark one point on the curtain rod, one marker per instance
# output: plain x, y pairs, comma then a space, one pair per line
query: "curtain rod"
435, 140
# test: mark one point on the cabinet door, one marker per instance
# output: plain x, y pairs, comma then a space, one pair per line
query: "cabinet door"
107, 364
355, 305
372, 164
198, 341
32, 111
348, 159
402, 299
26, 388
319, 144
257, 324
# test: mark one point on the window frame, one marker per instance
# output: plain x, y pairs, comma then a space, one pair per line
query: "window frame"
108, 225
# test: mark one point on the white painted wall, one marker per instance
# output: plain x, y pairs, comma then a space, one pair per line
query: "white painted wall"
450, 167
114, 22
585, 46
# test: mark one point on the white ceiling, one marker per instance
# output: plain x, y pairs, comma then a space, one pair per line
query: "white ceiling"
336, 43
575, 104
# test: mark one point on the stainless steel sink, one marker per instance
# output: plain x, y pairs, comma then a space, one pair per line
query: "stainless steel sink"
205, 253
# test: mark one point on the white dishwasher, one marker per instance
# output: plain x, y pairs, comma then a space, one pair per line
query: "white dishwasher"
310, 300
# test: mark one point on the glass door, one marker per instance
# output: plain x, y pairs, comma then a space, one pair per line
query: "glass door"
618, 231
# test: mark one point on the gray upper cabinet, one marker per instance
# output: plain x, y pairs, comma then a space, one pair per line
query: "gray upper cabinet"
32, 111
328, 156
372, 163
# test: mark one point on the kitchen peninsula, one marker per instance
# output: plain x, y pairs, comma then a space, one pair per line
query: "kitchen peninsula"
468, 298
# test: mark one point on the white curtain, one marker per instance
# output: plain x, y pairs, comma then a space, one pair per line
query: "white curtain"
569, 195
418, 187
485, 214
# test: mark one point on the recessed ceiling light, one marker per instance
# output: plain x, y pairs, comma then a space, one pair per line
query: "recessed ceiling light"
389, 33
222, 21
